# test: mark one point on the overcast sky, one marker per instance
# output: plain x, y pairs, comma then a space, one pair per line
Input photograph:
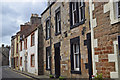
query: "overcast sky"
15, 13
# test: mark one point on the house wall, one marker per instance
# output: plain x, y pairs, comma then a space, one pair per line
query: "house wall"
105, 39
65, 41
28, 52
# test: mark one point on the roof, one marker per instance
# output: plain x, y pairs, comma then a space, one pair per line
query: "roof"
47, 8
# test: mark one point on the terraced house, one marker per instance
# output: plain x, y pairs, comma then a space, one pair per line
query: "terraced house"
105, 29
81, 39
29, 47
67, 40
74, 39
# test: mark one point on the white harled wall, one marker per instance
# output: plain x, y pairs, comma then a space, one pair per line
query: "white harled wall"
30, 50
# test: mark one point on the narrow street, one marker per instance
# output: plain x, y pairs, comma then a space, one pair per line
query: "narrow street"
8, 74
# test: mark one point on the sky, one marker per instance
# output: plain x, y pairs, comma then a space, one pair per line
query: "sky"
14, 13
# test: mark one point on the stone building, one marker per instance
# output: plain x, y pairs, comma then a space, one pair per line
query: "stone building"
4, 53
12, 60
105, 29
67, 40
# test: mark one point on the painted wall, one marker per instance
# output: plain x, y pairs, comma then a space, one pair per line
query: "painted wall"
30, 50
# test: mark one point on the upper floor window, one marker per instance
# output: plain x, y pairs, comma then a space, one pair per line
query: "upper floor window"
17, 48
77, 13
21, 46
33, 39
48, 29
57, 21
25, 43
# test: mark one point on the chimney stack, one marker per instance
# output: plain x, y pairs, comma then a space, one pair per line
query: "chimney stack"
2, 45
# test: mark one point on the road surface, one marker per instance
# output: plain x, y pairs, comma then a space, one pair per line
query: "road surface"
8, 74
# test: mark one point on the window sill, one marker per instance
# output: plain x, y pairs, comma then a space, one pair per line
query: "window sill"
48, 69
77, 24
75, 72
114, 21
32, 66
56, 34
47, 38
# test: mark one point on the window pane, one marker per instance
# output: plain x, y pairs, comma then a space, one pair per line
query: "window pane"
76, 61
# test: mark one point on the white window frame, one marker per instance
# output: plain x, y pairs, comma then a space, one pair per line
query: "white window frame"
33, 40
74, 54
48, 28
48, 61
58, 21
73, 12
80, 6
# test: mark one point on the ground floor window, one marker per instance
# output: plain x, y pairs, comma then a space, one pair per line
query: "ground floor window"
20, 61
17, 61
75, 55
32, 60
119, 45
48, 58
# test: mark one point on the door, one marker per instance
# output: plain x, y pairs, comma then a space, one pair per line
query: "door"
57, 60
89, 55
26, 63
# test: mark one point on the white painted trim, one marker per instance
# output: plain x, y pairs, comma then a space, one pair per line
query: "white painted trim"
93, 7
106, 7
96, 58
114, 58
92, 37
95, 43
94, 23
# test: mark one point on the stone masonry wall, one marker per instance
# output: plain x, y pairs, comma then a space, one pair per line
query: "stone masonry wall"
65, 41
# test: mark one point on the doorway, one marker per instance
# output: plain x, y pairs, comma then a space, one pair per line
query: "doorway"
57, 59
89, 55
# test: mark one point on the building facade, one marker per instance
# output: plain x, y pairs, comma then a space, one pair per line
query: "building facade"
4, 55
30, 51
67, 37
12, 60
105, 28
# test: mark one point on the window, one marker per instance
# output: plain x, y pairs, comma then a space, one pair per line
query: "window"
58, 21
77, 13
21, 46
75, 56
114, 10
17, 48
17, 61
25, 43
32, 39
74, 12
32, 60
48, 29
81, 11
118, 9
20, 61
48, 58
119, 45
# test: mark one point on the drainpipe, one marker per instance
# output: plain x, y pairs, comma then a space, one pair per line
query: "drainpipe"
50, 42
92, 37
